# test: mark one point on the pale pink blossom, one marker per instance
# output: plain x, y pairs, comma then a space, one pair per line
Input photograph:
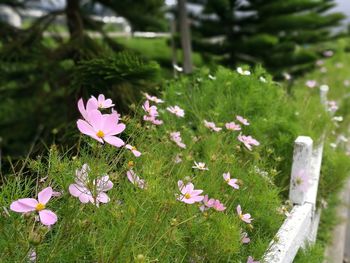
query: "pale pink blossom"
211, 126
242, 120
232, 182
200, 166
152, 113
153, 98
101, 102
136, 180
328, 53
218, 206
244, 217
311, 83
244, 238
84, 110
90, 192
251, 260
207, 203
26, 205
150, 110
133, 150
188, 194
248, 141
301, 180
332, 106
102, 127
176, 110
32, 255
232, 126
176, 137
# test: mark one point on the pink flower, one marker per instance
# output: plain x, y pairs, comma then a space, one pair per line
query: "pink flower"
153, 98
248, 141
212, 126
244, 238
328, 53
152, 113
232, 126
301, 180
251, 260
229, 181
84, 111
332, 106
133, 150
176, 110
242, 120
102, 127
101, 102
218, 206
81, 187
150, 110
311, 84
244, 217
188, 194
211, 203
26, 205
206, 203
176, 137
200, 166
134, 179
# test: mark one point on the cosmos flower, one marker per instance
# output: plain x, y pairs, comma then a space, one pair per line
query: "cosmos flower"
176, 137
233, 126
90, 192
200, 166
229, 181
188, 194
133, 150
244, 217
248, 141
153, 98
211, 126
26, 205
311, 83
251, 260
242, 120
134, 179
244, 238
301, 180
102, 127
101, 102
176, 110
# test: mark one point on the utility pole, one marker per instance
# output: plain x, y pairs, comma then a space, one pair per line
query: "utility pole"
185, 37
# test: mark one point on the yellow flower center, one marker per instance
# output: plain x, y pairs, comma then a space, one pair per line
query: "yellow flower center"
298, 181
228, 180
100, 105
130, 163
100, 134
187, 196
40, 207
133, 148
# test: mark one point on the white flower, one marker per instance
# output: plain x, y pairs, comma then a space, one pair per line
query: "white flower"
200, 166
243, 72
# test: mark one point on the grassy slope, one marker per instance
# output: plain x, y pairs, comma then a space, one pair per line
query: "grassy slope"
151, 224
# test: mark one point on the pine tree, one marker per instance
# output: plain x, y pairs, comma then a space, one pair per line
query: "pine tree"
42, 77
281, 34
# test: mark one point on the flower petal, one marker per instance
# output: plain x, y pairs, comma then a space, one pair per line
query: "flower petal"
45, 195
24, 205
115, 141
47, 217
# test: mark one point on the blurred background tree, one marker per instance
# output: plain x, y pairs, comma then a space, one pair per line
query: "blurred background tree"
52, 60
280, 34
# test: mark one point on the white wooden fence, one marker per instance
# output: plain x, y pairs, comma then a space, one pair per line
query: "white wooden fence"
300, 228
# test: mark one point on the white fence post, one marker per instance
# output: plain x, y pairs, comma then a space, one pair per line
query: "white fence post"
299, 182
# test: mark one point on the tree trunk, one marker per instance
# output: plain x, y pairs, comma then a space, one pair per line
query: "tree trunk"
185, 37
74, 21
